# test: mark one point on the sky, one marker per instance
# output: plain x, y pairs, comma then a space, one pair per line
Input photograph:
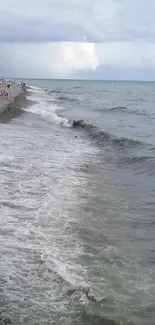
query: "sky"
95, 39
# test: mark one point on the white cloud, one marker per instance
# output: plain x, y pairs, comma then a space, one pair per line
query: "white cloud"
77, 20
126, 54
67, 59
47, 59
115, 34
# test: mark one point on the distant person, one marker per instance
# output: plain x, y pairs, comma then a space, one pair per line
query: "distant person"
9, 87
23, 85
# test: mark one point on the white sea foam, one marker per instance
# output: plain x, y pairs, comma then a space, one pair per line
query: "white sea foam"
34, 89
46, 107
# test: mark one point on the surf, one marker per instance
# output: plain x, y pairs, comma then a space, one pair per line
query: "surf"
45, 106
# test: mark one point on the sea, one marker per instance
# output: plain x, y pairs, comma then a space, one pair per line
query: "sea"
77, 205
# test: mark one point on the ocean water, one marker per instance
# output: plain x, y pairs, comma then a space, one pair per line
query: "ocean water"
77, 203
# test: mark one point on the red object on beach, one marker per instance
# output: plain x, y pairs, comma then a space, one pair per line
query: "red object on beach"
3, 94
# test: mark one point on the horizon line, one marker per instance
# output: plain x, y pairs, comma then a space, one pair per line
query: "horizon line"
78, 79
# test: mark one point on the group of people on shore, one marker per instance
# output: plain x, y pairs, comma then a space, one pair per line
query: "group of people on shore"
8, 83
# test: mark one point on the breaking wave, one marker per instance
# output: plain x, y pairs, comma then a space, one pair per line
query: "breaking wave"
82, 300
50, 112
103, 137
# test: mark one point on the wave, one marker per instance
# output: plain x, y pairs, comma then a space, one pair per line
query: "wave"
61, 97
87, 318
143, 164
124, 110
33, 88
138, 159
118, 108
140, 99
53, 91
48, 112
102, 137
43, 106
65, 98
83, 300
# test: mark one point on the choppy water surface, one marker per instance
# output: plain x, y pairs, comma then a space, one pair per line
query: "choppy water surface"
77, 200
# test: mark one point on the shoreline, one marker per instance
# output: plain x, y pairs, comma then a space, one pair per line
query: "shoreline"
13, 106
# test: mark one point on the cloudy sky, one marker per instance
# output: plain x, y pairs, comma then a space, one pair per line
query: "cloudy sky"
105, 39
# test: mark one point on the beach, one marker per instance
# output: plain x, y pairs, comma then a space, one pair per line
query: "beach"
11, 107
